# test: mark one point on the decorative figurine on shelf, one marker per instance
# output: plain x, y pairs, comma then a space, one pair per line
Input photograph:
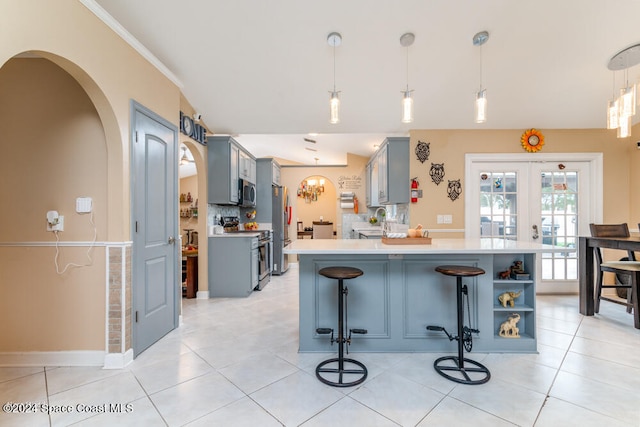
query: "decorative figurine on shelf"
189, 198
517, 271
508, 297
504, 275
517, 268
508, 328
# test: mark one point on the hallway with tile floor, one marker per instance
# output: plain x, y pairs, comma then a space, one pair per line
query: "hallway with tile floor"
234, 362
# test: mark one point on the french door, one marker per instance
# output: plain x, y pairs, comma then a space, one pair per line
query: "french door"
550, 200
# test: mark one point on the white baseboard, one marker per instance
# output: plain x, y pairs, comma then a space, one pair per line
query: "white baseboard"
202, 295
52, 358
118, 360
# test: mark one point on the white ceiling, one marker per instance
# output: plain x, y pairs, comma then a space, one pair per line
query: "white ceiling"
261, 70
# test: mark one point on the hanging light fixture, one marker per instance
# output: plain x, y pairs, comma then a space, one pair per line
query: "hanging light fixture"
626, 102
481, 96
612, 108
624, 127
612, 115
407, 40
334, 39
184, 160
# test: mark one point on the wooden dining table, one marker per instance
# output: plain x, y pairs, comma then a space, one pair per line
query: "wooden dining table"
586, 268
191, 258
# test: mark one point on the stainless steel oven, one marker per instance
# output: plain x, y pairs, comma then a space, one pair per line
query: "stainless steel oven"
264, 259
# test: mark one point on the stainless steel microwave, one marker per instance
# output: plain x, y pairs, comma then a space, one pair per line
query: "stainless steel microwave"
247, 194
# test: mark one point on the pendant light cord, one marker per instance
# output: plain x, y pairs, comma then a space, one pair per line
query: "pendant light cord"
334, 67
626, 77
407, 68
480, 68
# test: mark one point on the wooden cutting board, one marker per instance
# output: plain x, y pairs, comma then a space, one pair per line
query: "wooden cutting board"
407, 241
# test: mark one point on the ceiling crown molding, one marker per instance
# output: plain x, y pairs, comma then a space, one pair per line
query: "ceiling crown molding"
110, 21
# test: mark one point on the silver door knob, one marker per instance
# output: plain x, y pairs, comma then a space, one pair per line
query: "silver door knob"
172, 240
535, 234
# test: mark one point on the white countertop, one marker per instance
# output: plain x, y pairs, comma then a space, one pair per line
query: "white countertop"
437, 246
235, 235
365, 226
371, 233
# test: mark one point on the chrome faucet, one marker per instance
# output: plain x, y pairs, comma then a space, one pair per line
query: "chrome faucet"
384, 219
384, 213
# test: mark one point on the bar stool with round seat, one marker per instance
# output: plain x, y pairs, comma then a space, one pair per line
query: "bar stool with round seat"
457, 371
359, 370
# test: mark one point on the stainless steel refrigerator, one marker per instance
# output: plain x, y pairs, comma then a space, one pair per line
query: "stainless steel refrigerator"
281, 216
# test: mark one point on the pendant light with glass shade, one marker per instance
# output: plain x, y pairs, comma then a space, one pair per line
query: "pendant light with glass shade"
481, 96
334, 39
627, 100
625, 104
612, 108
407, 40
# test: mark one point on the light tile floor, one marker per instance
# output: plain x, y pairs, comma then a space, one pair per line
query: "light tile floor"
234, 362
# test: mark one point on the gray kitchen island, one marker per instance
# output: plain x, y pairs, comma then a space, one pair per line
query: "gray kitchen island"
400, 294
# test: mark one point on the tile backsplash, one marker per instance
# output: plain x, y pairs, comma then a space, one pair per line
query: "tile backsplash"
216, 211
347, 223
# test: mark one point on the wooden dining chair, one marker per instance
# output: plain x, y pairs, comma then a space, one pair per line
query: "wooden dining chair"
322, 230
630, 268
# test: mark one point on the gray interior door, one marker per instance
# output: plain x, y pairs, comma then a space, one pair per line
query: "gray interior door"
154, 228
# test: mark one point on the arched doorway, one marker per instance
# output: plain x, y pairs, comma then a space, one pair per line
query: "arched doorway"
189, 220
316, 201
56, 152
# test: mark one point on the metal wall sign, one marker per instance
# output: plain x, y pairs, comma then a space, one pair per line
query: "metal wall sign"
193, 130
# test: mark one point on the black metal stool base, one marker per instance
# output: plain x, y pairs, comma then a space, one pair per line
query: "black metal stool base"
479, 374
341, 372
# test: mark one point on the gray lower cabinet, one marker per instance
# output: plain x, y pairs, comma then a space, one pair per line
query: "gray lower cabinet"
233, 266
399, 295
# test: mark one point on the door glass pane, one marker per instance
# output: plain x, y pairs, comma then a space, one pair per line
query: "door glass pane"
498, 203
559, 221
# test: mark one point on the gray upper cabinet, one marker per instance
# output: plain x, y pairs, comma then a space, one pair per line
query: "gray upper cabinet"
268, 175
388, 173
223, 157
247, 166
368, 185
275, 173
373, 193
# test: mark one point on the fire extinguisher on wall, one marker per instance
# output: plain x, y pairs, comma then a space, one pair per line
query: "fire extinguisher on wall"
414, 190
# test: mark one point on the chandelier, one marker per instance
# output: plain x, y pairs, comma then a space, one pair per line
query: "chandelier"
621, 110
310, 189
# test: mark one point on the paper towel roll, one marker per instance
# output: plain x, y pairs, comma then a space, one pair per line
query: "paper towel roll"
346, 200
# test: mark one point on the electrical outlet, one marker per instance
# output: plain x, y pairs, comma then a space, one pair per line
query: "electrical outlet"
440, 219
448, 219
57, 226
